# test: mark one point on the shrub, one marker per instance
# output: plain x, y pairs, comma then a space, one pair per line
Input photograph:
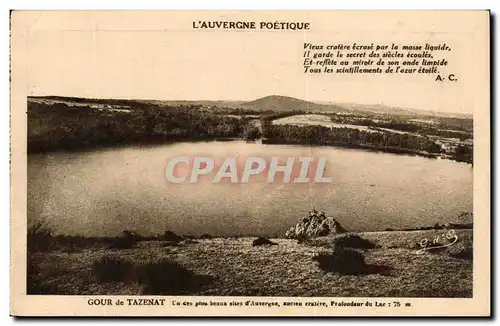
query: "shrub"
34, 280
112, 269
164, 277
465, 254
460, 250
127, 241
260, 241
77, 243
188, 241
40, 236
171, 236
170, 244
353, 241
205, 236
342, 261
302, 238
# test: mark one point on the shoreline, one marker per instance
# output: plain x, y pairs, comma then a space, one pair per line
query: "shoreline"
158, 237
264, 141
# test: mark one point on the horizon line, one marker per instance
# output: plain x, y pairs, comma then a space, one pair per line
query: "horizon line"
319, 102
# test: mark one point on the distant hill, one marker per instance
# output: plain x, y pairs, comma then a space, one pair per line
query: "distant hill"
382, 109
274, 103
285, 103
110, 101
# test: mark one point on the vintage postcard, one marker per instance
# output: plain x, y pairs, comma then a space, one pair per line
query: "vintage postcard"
250, 163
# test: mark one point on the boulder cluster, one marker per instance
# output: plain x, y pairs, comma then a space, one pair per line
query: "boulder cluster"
315, 224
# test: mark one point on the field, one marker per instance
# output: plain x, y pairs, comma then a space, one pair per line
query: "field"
316, 120
233, 267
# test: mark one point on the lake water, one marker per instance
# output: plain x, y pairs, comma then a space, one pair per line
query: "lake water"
103, 192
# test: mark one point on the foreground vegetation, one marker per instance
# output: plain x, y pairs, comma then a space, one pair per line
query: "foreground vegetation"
364, 264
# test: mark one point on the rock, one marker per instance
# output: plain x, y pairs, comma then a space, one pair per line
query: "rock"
315, 224
260, 241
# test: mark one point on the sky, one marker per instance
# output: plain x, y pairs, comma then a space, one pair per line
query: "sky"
160, 56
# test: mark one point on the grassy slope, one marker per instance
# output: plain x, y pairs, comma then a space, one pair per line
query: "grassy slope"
287, 269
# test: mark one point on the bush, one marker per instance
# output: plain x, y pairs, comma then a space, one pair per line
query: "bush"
170, 244
164, 277
342, 261
464, 254
302, 239
188, 241
205, 236
34, 280
77, 243
127, 241
260, 241
353, 241
112, 269
460, 250
40, 236
171, 236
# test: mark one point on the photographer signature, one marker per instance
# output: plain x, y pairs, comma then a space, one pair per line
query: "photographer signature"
425, 244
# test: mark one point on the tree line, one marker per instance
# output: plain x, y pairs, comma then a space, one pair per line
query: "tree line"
445, 127
61, 126
57, 125
348, 137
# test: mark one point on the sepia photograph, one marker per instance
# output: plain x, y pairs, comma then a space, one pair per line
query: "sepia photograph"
251, 155
104, 218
